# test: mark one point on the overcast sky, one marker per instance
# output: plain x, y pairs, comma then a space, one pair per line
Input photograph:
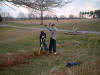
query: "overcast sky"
73, 8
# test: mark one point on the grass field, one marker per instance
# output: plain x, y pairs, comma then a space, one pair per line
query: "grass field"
70, 48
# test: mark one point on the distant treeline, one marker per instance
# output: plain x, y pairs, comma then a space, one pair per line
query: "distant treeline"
82, 15
35, 18
92, 14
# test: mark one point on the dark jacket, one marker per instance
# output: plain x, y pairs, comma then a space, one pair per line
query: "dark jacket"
42, 36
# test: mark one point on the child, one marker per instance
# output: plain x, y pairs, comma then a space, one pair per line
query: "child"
53, 38
42, 40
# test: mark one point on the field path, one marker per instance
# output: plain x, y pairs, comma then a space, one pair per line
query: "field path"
39, 29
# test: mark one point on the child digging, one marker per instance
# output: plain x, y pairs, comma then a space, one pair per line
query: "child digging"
43, 41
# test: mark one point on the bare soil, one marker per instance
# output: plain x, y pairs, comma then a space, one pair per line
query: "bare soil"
11, 60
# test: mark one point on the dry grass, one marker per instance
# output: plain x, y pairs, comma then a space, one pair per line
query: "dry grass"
84, 69
9, 60
60, 22
21, 44
80, 24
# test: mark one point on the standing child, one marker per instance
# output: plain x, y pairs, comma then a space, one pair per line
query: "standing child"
52, 44
42, 40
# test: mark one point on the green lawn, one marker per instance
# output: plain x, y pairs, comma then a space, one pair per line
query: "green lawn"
84, 48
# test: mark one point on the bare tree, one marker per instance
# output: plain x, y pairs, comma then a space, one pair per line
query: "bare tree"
22, 15
41, 5
31, 16
0, 18
97, 13
62, 16
80, 15
48, 17
71, 16
5, 15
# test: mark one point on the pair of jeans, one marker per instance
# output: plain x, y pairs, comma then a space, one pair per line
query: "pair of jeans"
44, 45
52, 45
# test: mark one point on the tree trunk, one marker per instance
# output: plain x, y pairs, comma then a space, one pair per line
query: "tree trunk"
41, 9
41, 17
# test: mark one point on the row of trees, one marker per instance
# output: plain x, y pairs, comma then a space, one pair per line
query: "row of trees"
29, 16
40, 5
92, 14
21, 15
5, 16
